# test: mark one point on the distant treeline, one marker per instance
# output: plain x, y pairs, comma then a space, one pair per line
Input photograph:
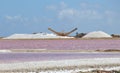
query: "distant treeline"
115, 35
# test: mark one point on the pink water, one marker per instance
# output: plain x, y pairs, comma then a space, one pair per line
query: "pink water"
61, 44
25, 57
57, 45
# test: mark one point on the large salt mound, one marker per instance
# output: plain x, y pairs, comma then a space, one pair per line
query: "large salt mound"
34, 36
97, 34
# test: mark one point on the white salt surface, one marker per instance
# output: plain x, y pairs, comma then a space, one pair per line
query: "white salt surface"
5, 51
82, 70
34, 36
97, 34
61, 63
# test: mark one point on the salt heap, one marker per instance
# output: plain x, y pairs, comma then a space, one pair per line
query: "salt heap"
34, 36
97, 34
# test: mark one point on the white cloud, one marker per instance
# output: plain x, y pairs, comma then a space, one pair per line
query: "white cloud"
85, 12
51, 7
9, 17
112, 17
79, 14
63, 5
110, 13
83, 5
90, 14
89, 6
60, 6
67, 13
18, 19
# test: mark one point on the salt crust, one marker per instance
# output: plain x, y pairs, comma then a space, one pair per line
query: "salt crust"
59, 63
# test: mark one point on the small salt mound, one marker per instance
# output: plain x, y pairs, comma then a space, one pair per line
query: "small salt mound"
34, 36
97, 34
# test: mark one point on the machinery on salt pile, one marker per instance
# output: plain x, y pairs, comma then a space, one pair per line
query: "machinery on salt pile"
62, 33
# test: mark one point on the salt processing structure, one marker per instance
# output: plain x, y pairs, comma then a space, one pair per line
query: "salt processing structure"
62, 33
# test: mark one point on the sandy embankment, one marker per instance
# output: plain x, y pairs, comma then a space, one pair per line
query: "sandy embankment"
61, 64
55, 51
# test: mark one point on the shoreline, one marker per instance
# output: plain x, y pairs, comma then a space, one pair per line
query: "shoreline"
63, 39
58, 51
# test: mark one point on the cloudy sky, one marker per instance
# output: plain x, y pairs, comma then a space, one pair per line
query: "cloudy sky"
28, 16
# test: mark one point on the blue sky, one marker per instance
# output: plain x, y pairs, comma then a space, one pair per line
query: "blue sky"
28, 16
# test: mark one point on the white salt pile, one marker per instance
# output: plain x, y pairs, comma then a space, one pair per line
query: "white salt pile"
34, 36
97, 34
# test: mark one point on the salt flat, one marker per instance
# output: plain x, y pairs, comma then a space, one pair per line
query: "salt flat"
63, 64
